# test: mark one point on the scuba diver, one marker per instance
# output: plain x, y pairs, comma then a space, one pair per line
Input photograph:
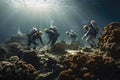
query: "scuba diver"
33, 36
91, 33
72, 35
52, 35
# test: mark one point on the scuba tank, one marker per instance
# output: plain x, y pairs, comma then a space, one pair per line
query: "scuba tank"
34, 30
93, 23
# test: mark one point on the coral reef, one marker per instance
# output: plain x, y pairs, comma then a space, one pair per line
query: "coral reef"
90, 67
109, 41
18, 70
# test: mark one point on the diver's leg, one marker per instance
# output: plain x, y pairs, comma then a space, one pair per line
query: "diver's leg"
53, 41
34, 42
72, 40
49, 41
88, 39
28, 44
92, 41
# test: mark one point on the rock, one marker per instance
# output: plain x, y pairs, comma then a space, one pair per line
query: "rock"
45, 76
18, 71
29, 56
85, 49
109, 41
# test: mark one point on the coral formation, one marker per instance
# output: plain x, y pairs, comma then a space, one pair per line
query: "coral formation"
109, 41
14, 49
3, 53
17, 71
90, 67
29, 56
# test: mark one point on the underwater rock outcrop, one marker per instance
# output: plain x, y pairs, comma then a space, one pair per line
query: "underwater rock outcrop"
18, 70
14, 49
51, 70
29, 56
58, 48
109, 41
86, 49
3, 53
74, 46
90, 67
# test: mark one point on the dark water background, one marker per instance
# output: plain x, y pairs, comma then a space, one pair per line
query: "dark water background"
71, 14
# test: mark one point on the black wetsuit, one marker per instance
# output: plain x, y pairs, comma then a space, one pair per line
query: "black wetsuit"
53, 36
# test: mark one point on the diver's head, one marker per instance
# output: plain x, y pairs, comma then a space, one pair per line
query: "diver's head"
34, 29
46, 30
53, 27
85, 27
71, 30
